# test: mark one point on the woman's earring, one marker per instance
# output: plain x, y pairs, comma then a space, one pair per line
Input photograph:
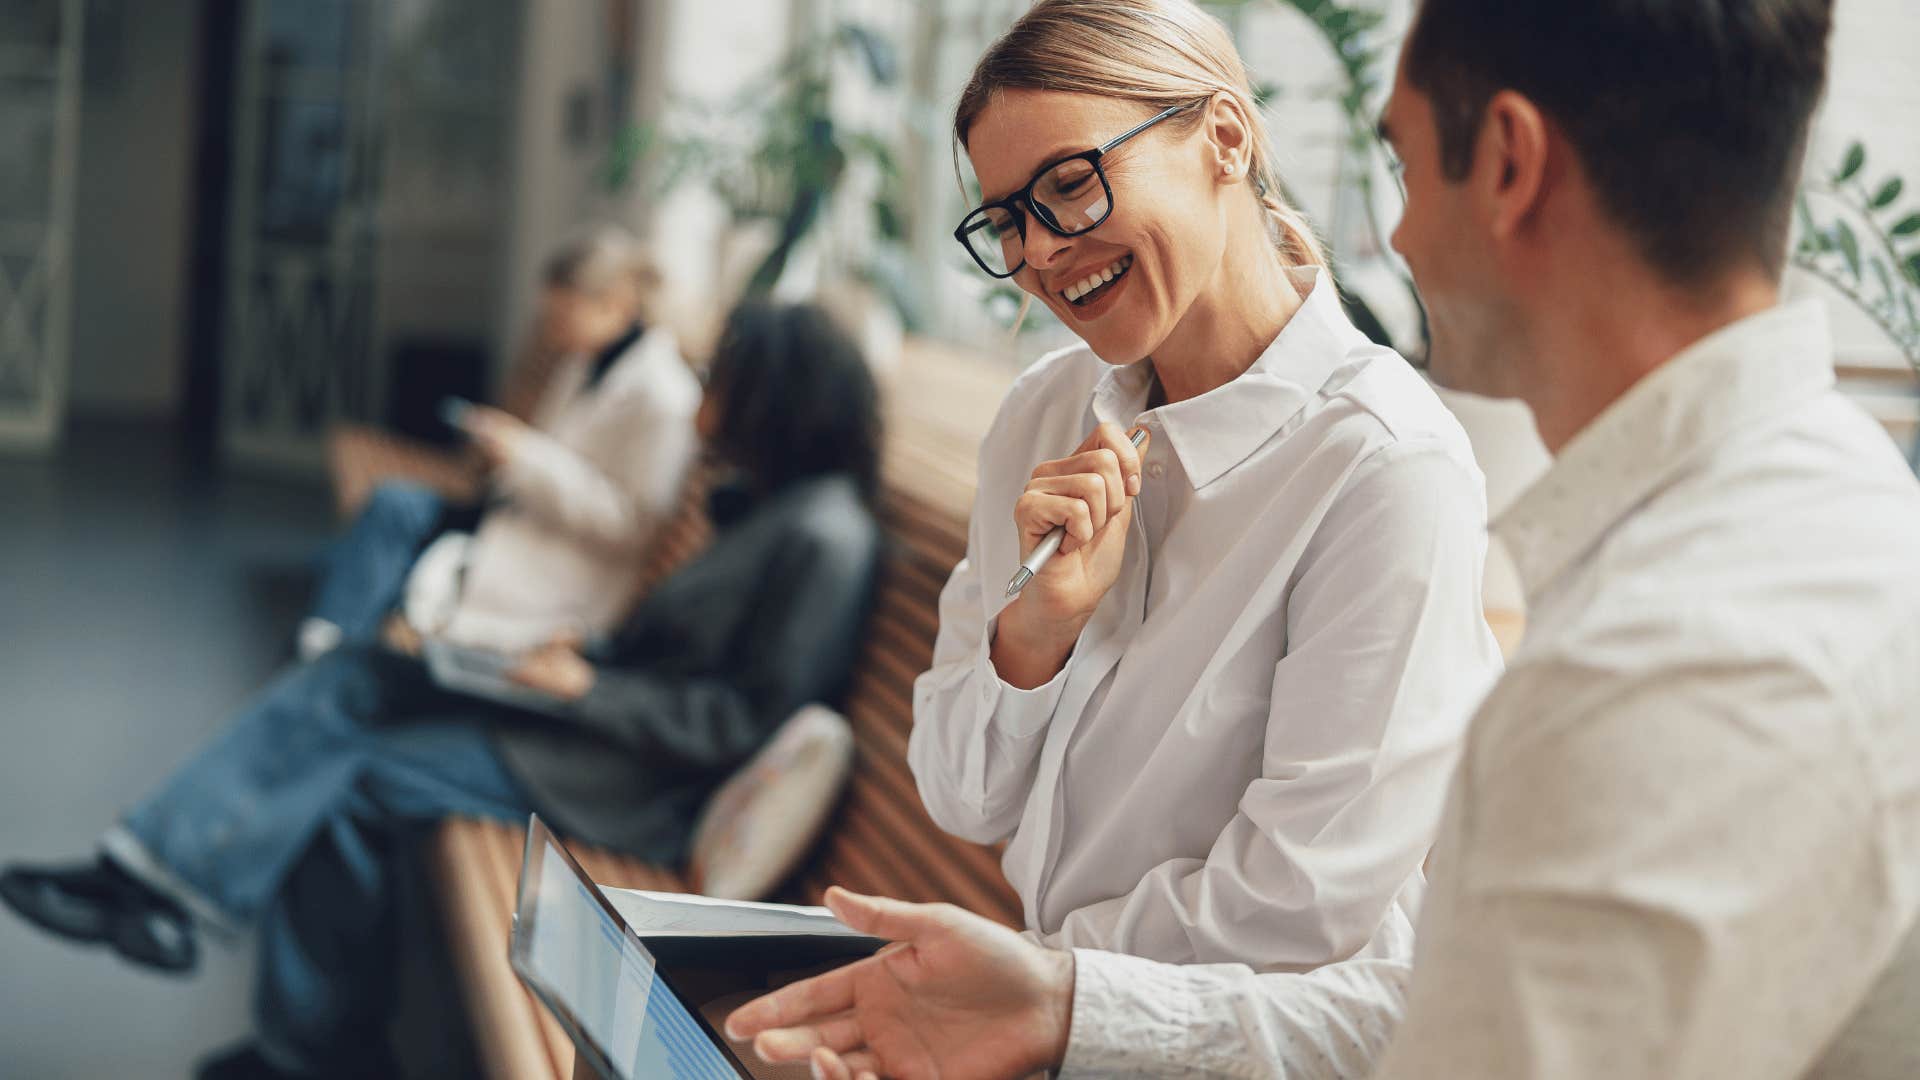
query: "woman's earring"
1227, 169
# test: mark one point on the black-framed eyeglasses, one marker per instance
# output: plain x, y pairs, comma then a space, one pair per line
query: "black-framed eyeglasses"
1070, 197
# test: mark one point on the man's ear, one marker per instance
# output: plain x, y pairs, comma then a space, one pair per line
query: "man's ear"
1511, 162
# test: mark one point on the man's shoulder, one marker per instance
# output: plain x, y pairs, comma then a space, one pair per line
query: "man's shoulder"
1793, 548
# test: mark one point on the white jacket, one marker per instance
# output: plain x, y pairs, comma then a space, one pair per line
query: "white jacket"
560, 549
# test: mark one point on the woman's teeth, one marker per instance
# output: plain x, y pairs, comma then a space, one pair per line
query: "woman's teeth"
1082, 291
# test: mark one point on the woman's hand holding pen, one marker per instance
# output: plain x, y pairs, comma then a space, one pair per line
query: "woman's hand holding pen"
1090, 492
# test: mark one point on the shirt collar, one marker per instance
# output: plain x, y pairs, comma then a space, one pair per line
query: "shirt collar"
1221, 428
1725, 382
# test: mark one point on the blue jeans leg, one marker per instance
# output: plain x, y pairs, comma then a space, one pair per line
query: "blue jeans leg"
229, 823
363, 573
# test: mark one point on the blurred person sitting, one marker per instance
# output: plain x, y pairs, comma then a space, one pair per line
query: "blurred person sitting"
574, 495
290, 819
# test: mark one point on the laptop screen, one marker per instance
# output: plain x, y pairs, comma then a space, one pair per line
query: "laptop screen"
598, 976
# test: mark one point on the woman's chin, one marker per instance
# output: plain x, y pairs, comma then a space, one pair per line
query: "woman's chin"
1116, 345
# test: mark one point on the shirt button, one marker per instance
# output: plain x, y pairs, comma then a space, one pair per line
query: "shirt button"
1156, 470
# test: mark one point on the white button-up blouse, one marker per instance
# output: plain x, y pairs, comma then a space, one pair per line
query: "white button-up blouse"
1244, 758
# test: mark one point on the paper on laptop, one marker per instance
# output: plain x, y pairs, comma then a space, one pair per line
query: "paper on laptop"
665, 914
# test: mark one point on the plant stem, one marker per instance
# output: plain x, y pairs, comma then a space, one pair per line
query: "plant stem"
1908, 349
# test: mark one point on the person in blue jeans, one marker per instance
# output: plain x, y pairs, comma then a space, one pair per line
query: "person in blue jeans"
289, 821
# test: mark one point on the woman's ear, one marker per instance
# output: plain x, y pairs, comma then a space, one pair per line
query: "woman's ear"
1229, 137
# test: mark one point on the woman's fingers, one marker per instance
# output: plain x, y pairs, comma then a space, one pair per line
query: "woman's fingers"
1086, 487
1116, 440
1038, 512
1082, 492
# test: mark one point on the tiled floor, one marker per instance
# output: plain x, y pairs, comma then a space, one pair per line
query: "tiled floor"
141, 599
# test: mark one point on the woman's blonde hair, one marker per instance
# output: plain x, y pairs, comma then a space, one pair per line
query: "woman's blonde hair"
1160, 53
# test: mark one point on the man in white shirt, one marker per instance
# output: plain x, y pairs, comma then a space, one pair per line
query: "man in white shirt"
1684, 836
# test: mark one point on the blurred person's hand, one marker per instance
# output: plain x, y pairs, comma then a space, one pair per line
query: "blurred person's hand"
1091, 493
956, 997
399, 635
496, 434
557, 668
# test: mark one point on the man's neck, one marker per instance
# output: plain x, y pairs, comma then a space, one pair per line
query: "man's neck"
1599, 340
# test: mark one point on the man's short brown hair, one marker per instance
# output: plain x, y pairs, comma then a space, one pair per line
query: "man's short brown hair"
1690, 117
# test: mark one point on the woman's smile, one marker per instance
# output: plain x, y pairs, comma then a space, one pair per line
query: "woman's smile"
1091, 294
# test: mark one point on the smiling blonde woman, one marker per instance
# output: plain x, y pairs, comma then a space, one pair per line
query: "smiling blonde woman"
1218, 725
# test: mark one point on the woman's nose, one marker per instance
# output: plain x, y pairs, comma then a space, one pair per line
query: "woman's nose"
1041, 247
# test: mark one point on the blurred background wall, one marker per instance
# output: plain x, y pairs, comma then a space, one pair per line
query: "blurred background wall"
258, 217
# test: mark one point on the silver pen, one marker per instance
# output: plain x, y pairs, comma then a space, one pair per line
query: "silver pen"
1049, 544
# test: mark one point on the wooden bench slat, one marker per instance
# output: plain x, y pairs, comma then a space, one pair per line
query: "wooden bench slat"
947, 874
505, 1022
508, 845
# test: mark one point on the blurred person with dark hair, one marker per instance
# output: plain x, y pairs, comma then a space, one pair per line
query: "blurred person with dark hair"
574, 495
1683, 838
289, 819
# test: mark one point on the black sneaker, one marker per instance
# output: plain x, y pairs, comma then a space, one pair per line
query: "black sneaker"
97, 902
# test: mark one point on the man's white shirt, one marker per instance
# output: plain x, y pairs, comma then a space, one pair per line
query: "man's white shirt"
1684, 836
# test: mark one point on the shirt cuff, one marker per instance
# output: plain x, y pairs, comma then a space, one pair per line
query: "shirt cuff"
1131, 1017
1016, 713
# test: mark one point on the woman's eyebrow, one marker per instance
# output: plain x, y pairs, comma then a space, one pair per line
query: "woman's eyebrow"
1052, 157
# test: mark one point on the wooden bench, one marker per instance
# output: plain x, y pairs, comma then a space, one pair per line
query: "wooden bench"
879, 839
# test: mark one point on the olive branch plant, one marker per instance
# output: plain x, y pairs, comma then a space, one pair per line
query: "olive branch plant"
1864, 242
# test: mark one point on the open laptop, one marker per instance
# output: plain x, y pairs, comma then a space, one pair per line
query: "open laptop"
627, 1019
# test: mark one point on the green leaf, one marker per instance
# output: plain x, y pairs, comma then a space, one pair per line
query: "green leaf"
1856, 158
1880, 274
1849, 247
1888, 192
1907, 226
1913, 270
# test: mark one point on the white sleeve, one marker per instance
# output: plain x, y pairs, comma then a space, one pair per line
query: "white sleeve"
1388, 652
976, 738
615, 509
1140, 1018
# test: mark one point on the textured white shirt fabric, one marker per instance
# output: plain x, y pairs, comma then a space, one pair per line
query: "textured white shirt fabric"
1244, 757
597, 472
1684, 839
